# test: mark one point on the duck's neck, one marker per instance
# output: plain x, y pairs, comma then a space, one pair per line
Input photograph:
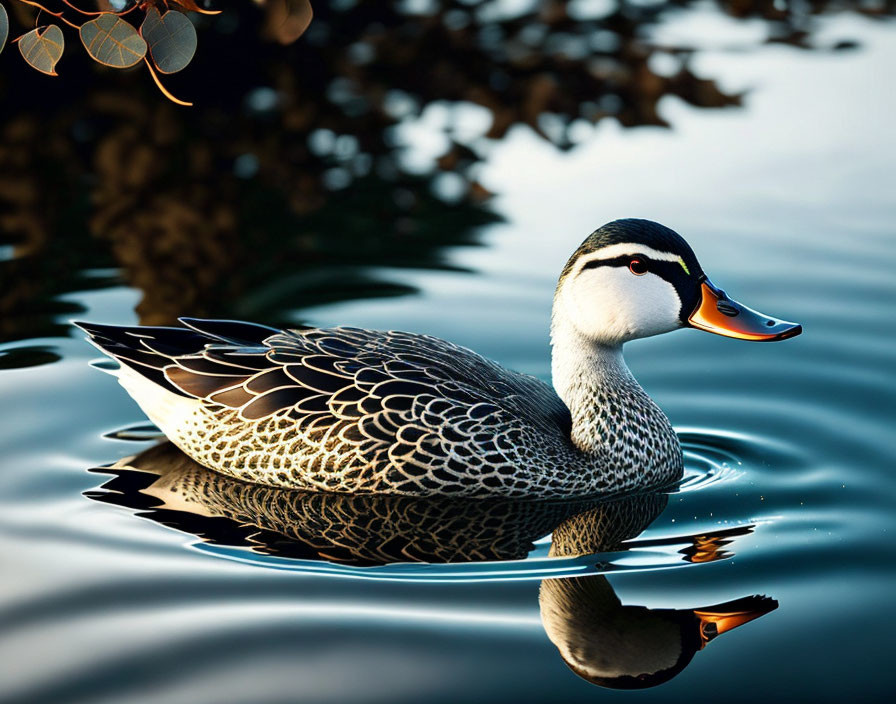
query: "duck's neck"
603, 397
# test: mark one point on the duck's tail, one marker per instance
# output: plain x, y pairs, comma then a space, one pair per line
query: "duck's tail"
149, 350
166, 369
141, 348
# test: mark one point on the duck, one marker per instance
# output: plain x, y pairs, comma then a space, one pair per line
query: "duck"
352, 410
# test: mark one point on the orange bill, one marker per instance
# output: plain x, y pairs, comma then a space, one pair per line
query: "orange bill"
721, 315
715, 620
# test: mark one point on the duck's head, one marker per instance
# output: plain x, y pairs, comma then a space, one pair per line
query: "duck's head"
636, 278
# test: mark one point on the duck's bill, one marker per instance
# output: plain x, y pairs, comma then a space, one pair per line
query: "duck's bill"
719, 314
715, 620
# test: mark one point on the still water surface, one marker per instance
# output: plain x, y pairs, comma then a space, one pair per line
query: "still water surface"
150, 580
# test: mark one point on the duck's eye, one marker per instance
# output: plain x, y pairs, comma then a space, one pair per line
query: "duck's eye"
638, 267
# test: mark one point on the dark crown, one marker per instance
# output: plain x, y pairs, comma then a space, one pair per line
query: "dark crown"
637, 231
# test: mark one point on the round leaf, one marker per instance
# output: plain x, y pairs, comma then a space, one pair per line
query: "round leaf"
4, 27
171, 38
112, 41
42, 48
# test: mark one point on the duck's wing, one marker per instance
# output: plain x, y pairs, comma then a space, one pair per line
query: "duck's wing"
422, 397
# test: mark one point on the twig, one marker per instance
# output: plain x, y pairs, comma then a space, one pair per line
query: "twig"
50, 12
162, 88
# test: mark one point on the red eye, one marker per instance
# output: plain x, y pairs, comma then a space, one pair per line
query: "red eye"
638, 267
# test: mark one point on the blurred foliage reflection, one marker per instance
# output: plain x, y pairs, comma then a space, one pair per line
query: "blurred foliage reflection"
289, 176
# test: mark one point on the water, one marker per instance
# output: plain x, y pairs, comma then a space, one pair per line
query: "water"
117, 588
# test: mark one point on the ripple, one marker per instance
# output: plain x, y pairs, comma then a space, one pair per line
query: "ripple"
711, 457
715, 456
140, 432
636, 556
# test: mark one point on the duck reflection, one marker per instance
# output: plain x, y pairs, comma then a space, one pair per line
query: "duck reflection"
630, 647
600, 639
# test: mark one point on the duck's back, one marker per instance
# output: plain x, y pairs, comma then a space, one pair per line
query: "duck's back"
345, 409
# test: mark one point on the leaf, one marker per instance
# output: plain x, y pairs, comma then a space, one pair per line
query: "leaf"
42, 48
112, 41
171, 38
287, 20
4, 27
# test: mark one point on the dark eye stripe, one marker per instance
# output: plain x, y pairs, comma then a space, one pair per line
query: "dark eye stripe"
615, 261
621, 261
670, 271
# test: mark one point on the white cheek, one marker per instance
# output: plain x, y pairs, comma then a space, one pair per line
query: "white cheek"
612, 305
